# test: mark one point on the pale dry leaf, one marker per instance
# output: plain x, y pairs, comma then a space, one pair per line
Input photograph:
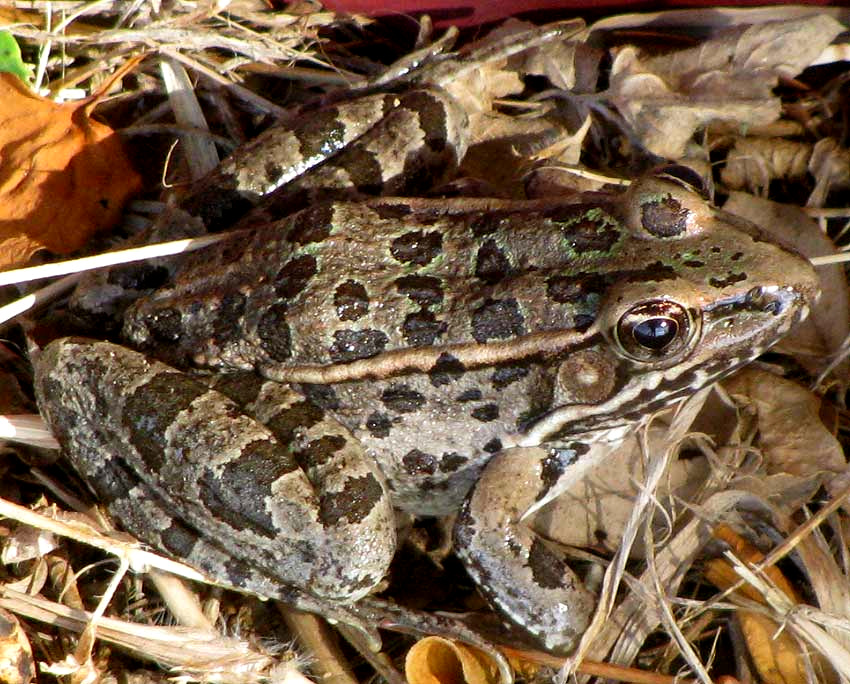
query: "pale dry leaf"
752, 163
824, 331
567, 149
16, 661
830, 166
746, 61
508, 146
597, 509
665, 120
435, 660
792, 438
555, 59
728, 78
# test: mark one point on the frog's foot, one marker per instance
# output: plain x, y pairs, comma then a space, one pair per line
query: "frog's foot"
524, 576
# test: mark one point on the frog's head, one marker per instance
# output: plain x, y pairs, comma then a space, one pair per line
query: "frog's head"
696, 293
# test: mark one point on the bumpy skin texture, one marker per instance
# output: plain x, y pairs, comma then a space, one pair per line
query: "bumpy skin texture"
188, 470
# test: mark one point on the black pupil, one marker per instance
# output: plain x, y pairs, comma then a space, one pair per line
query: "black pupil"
655, 333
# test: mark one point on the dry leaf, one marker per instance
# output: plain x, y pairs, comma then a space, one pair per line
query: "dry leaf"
792, 437
63, 176
729, 78
753, 162
824, 331
16, 663
775, 654
597, 508
830, 166
435, 660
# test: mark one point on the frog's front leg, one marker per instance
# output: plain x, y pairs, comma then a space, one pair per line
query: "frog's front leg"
523, 575
270, 510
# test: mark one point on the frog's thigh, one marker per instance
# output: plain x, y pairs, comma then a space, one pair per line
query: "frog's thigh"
184, 469
526, 577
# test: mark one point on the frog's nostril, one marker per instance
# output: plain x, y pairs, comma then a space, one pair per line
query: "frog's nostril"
768, 299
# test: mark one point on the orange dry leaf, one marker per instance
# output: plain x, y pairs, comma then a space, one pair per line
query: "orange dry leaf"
774, 652
434, 660
63, 176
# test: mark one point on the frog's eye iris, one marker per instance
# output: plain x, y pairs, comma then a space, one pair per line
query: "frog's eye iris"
654, 330
655, 333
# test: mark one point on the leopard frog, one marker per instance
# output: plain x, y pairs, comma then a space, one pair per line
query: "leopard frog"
388, 353
404, 346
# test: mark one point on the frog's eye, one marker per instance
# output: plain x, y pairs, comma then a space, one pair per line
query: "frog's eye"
654, 330
685, 176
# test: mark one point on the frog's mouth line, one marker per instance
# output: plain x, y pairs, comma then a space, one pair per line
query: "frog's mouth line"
659, 387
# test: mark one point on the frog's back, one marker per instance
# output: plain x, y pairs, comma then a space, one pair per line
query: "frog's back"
345, 281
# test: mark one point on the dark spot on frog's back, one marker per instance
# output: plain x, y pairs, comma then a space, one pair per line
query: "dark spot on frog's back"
311, 225
730, 279
351, 300
424, 290
452, 461
362, 165
486, 223
165, 325
418, 462
507, 375
497, 319
417, 247
378, 424
547, 568
243, 387
432, 117
422, 329
446, 369
138, 277
229, 312
178, 539
293, 277
493, 446
574, 288
486, 413
353, 503
657, 271
587, 228
168, 394
322, 396
389, 212
273, 332
351, 345
273, 169
402, 399
319, 451
322, 126
300, 415
469, 395
491, 264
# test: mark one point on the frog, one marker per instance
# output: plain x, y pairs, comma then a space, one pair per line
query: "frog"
361, 356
